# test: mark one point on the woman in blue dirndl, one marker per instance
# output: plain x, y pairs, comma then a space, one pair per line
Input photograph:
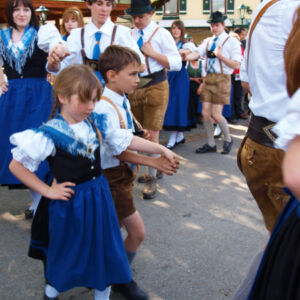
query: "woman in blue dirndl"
176, 117
26, 99
75, 230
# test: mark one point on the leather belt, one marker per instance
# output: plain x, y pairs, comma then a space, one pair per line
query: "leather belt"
259, 131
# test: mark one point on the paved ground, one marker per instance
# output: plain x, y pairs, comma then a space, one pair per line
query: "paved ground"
202, 231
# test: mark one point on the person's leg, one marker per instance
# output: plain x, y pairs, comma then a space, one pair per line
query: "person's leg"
135, 233
180, 137
50, 292
209, 129
218, 117
208, 125
172, 140
261, 166
102, 295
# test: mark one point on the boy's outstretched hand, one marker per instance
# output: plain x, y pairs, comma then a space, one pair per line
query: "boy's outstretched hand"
60, 191
164, 165
171, 156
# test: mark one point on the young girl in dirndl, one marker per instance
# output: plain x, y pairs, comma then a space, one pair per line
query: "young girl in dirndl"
75, 231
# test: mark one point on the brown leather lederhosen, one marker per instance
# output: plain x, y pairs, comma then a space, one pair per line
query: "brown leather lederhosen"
120, 179
93, 63
217, 86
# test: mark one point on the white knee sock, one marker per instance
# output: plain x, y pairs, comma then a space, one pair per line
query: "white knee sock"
172, 139
180, 136
36, 197
102, 295
50, 291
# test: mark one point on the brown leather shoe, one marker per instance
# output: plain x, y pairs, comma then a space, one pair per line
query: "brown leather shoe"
143, 178
150, 188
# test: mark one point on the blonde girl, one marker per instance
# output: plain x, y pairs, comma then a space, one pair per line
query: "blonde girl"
75, 231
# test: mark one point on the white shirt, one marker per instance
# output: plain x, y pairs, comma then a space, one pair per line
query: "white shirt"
122, 38
289, 126
266, 74
122, 137
231, 50
163, 43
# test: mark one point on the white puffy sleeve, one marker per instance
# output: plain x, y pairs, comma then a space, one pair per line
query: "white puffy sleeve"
289, 126
189, 45
31, 148
48, 36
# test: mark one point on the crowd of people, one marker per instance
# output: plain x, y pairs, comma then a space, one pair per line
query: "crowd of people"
75, 144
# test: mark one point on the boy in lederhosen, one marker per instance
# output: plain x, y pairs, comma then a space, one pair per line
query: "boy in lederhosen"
149, 103
223, 55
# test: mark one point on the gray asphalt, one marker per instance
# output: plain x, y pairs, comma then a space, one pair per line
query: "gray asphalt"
203, 229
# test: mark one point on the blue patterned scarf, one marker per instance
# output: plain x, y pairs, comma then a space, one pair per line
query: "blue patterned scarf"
16, 54
63, 136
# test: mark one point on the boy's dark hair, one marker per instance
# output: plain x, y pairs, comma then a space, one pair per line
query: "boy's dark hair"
116, 58
12, 4
90, 2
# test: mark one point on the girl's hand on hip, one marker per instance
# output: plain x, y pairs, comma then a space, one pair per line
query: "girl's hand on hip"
60, 191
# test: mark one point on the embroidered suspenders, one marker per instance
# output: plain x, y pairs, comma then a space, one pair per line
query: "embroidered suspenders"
221, 65
93, 63
258, 17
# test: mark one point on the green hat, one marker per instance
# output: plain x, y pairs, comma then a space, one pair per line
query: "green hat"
139, 7
216, 17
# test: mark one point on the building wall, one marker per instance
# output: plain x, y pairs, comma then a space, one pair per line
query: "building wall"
197, 17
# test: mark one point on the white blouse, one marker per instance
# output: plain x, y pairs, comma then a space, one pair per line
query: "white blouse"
289, 126
34, 147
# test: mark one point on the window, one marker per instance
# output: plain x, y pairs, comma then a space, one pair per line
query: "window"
171, 8
218, 5
224, 6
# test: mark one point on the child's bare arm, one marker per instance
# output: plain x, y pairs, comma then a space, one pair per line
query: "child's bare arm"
55, 191
142, 145
160, 163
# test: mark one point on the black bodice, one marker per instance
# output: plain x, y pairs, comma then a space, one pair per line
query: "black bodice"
35, 66
77, 169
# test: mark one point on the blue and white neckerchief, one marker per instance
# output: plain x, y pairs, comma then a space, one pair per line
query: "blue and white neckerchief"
16, 54
63, 136
179, 45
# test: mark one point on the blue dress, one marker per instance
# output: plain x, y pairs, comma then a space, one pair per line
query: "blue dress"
28, 101
176, 117
278, 275
79, 240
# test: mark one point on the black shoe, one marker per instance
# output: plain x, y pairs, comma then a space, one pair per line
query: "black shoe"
48, 298
227, 147
130, 291
181, 141
206, 149
171, 146
143, 178
28, 213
